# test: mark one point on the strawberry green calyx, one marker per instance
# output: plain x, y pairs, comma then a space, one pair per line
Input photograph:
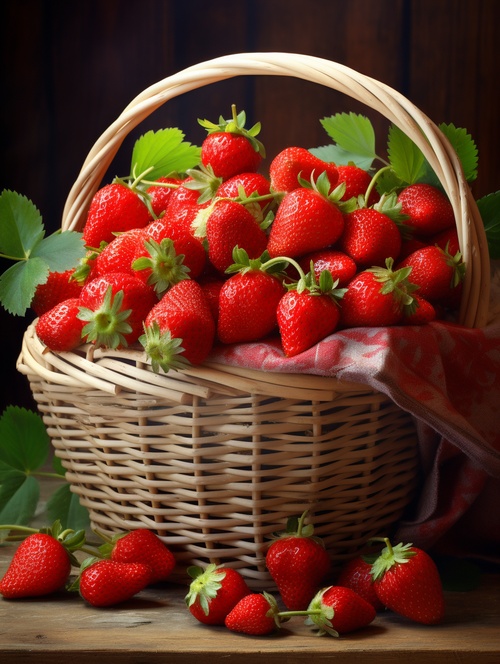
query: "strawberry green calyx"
296, 527
205, 585
108, 324
320, 615
167, 267
457, 264
163, 350
204, 180
236, 125
243, 263
397, 283
391, 556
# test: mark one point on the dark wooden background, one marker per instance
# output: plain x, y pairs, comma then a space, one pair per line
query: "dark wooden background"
69, 68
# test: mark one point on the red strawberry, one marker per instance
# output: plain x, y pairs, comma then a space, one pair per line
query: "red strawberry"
143, 546
179, 328
248, 301
211, 286
337, 610
119, 254
115, 208
356, 574
427, 208
407, 581
447, 240
58, 287
107, 582
256, 614
231, 225
40, 566
114, 307
307, 220
370, 237
409, 245
298, 563
308, 312
437, 273
229, 148
60, 328
293, 163
214, 592
357, 181
250, 184
424, 312
159, 193
377, 297
340, 265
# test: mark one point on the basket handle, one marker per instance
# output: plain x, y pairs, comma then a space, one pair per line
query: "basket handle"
374, 94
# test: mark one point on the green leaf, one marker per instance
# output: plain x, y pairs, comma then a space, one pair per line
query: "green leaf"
465, 148
65, 506
406, 158
18, 284
24, 441
352, 132
61, 251
337, 155
489, 209
21, 227
163, 152
19, 496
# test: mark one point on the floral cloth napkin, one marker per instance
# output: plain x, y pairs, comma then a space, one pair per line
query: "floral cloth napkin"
448, 378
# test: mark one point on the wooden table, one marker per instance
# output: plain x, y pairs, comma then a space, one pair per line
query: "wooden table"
156, 627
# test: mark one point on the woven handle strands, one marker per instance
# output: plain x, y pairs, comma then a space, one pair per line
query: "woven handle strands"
374, 94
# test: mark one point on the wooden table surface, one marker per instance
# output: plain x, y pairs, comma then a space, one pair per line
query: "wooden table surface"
156, 627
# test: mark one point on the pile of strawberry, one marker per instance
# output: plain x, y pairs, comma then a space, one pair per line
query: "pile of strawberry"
403, 579
224, 254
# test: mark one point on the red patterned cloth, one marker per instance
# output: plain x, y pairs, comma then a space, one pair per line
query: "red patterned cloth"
448, 378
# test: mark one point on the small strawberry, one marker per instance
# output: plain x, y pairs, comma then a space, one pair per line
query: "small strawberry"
447, 240
247, 185
377, 297
256, 614
307, 219
211, 286
58, 287
230, 149
294, 164
107, 582
298, 563
407, 581
182, 316
143, 546
159, 193
119, 254
60, 328
40, 566
424, 312
248, 300
340, 265
115, 208
214, 592
308, 312
338, 610
356, 574
357, 181
427, 208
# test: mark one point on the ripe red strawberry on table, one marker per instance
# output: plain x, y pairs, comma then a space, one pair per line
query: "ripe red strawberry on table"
256, 614
407, 581
214, 592
106, 582
356, 574
293, 164
337, 610
427, 208
298, 563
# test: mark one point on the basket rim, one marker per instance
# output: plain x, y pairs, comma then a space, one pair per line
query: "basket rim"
374, 94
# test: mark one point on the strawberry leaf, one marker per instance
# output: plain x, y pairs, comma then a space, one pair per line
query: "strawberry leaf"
465, 148
64, 505
18, 284
21, 227
406, 158
24, 442
337, 155
489, 209
19, 496
164, 152
353, 133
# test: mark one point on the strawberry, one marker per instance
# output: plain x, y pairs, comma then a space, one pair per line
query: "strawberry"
447, 240
308, 312
214, 592
307, 220
230, 224
295, 163
143, 546
211, 286
230, 149
427, 208
247, 185
182, 316
119, 254
114, 307
115, 208
40, 566
356, 574
424, 312
407, 582
357, 181
60, 328
159, 193
370, 236
58, 287
338, 610
107, 582
248, 300
298, 563
340, 265
437, 273
255, 614
377, 297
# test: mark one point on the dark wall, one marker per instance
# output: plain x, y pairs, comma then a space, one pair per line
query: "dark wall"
69, 68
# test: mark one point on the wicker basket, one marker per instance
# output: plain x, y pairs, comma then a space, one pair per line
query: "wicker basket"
214, 458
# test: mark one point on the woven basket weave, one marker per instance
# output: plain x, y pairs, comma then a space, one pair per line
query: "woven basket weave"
214, 458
